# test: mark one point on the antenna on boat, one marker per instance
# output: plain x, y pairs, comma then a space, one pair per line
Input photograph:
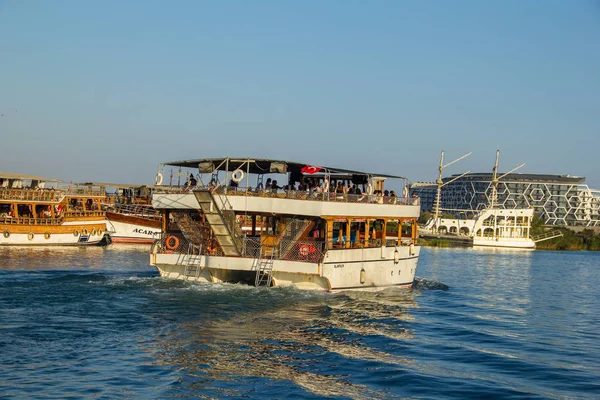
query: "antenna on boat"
440, 183
496, 179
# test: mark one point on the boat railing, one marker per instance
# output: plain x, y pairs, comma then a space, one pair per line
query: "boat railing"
138, 210
42, 195
314, 195
31, 221
83, 213
358, 243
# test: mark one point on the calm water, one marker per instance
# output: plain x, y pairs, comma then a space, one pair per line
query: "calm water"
99, 323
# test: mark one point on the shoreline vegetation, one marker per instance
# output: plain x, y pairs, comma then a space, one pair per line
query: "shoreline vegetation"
586, 239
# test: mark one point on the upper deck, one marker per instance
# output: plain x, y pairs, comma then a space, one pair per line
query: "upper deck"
310, 190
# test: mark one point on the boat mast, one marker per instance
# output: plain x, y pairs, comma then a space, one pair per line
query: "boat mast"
496, 180
440, 183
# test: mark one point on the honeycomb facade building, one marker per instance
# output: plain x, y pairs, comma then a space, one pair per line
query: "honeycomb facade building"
556, 199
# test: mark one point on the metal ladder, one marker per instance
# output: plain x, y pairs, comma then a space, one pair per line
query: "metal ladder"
264, 269
192, 265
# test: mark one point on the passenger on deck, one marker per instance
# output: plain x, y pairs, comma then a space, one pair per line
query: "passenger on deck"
192, 181
233, 184
268, 185
275, 186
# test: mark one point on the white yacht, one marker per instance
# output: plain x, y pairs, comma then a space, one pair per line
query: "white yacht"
326, 229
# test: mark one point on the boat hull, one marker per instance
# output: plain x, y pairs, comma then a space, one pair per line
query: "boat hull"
132, 230
341, 269
515, 243
68, 234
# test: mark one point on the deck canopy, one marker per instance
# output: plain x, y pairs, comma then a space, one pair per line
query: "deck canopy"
25, 177
113, 185
268, 166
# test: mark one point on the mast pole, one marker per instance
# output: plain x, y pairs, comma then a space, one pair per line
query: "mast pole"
440, 183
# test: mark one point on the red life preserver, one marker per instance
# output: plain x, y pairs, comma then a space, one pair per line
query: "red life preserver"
303, 251
172, 242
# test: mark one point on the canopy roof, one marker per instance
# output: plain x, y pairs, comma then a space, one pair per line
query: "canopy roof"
113, 185
25, 177
265, 166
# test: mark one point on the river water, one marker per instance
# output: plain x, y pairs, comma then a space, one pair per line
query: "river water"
99, 323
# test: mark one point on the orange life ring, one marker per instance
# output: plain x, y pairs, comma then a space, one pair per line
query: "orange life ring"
212, 247
172, 242
303, 251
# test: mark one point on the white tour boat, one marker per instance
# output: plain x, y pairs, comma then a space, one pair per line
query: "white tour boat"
230, 225
492, 226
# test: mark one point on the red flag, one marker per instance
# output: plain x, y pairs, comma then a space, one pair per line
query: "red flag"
309, 169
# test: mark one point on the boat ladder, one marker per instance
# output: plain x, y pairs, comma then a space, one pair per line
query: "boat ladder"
192, 264
264, 268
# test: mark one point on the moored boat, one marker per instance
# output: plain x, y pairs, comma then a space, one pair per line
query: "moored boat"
326, 229
129, 214
37, 211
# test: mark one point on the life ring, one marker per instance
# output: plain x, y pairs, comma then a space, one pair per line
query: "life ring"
6, 233
212, 247
93, 231
237, 175
99, 232
47, 235
75, 232
172, 242
30, 236
84, 232
159, 179
303, 251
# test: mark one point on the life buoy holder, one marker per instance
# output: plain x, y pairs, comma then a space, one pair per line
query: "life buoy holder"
303, 251
30, 236
237, 175
47, 235
6, 233
159, 179
75, 232
172, 242
84, 232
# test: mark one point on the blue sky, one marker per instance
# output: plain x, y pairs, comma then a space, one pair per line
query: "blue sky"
106, 90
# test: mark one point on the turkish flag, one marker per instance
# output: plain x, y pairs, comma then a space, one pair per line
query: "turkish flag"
309, 169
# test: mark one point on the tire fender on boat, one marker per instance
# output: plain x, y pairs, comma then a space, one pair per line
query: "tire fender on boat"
172, 242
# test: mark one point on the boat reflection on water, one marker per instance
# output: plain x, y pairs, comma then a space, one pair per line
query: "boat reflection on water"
314, 340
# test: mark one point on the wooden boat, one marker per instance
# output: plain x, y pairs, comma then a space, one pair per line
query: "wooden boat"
37, 211
130, 216
310, 236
